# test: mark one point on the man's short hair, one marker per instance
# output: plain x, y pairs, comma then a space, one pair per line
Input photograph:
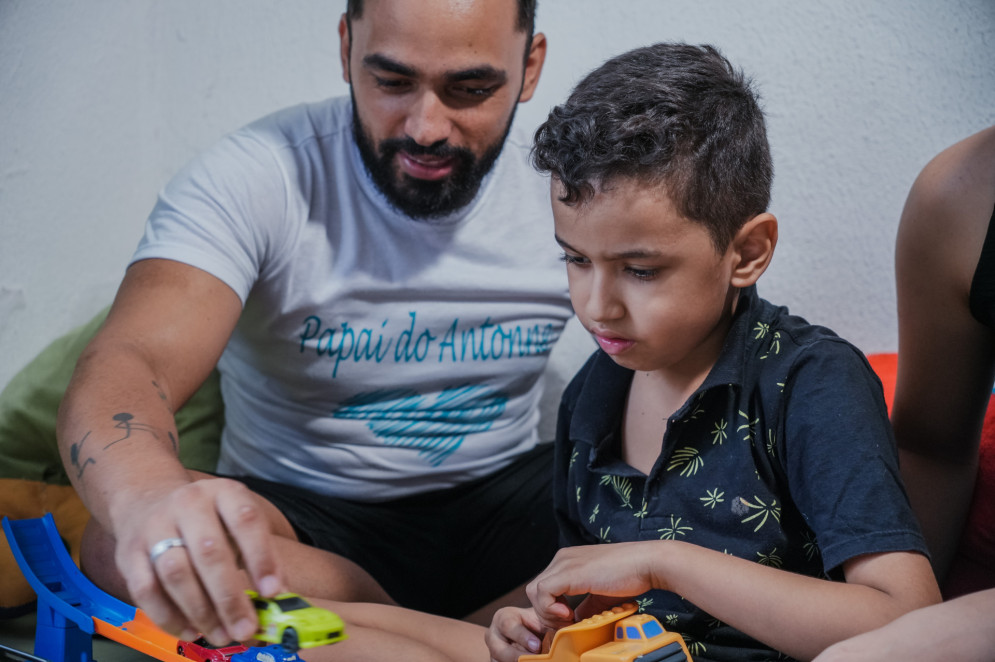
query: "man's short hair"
526, 14
672, 115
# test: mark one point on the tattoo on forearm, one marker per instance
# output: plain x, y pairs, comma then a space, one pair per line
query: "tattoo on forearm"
176, 444
162, 396
74, 456
125, 421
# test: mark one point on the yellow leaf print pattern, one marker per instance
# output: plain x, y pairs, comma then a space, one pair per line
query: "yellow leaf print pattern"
772, 559
764, 511
594, 513
622, 487
719, 433
675, 529
747, 426
687, 460
696, 407
695, 647
810, 545
712, 498
775, 345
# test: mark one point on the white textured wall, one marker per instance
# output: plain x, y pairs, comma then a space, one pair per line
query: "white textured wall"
101, 100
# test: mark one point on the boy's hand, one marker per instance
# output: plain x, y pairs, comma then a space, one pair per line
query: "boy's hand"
609, 573
514, 631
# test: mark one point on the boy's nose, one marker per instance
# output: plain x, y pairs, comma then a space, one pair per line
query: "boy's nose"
428, 122
602, 304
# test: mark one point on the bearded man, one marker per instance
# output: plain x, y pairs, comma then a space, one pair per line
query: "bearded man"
374, 277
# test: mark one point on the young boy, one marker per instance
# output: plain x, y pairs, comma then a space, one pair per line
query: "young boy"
738, 459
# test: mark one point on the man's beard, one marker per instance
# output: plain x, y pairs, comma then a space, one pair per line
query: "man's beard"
419, 198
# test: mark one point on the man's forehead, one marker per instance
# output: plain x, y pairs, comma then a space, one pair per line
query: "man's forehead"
450, 38
430, 16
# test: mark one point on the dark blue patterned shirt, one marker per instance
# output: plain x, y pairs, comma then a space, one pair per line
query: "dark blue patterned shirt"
783, 456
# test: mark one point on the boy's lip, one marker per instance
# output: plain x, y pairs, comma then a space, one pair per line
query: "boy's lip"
612, 344
424, 166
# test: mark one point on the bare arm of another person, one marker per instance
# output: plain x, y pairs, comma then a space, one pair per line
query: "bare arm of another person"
946, 358
959, 630
166, 329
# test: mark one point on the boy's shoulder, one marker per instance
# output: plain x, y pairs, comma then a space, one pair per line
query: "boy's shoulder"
771, 331
777, 349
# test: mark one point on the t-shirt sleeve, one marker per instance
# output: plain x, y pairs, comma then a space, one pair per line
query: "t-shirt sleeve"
840, 457
221, 213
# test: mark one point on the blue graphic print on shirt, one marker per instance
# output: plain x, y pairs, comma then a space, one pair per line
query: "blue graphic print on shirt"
435, 425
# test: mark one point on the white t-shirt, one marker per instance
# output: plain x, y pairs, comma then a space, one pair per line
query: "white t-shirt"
376, 356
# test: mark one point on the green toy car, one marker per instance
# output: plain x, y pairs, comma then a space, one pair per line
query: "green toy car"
292, 621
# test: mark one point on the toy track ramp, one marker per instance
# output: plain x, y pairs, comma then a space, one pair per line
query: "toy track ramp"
71, 609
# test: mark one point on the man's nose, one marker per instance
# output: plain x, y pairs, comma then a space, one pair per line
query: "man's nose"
428, 121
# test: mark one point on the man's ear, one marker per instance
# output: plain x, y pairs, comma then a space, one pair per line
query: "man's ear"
344, 47
533, 66
753, 247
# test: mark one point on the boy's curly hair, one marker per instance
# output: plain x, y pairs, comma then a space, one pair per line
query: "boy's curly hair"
672, 115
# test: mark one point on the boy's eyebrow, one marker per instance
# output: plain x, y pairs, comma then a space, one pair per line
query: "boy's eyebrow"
634, 254
483, 72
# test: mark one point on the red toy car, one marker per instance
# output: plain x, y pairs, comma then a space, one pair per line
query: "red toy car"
200, 650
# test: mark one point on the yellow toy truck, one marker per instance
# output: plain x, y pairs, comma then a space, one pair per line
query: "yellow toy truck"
616, 635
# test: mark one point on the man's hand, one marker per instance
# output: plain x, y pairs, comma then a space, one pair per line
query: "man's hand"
199, 586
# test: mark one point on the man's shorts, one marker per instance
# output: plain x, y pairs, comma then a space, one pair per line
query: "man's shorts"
447, 552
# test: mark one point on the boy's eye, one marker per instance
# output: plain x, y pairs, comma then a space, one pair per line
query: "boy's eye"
643, 274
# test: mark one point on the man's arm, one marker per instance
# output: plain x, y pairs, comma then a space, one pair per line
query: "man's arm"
792, 613
118, 440
946, 357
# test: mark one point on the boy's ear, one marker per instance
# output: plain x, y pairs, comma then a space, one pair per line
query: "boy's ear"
753, 247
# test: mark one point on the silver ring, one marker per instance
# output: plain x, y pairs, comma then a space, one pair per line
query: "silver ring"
163, 546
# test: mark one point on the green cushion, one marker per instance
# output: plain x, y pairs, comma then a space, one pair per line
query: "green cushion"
29, 403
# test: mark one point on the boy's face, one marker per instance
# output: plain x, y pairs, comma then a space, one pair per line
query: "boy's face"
647, 283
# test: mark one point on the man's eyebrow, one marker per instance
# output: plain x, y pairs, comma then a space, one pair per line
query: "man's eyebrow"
378, 61
482, 73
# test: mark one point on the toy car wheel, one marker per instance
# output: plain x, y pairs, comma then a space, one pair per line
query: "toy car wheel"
179, 650
289, 639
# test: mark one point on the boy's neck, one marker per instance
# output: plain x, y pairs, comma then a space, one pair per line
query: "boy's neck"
655, 396
650, 404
